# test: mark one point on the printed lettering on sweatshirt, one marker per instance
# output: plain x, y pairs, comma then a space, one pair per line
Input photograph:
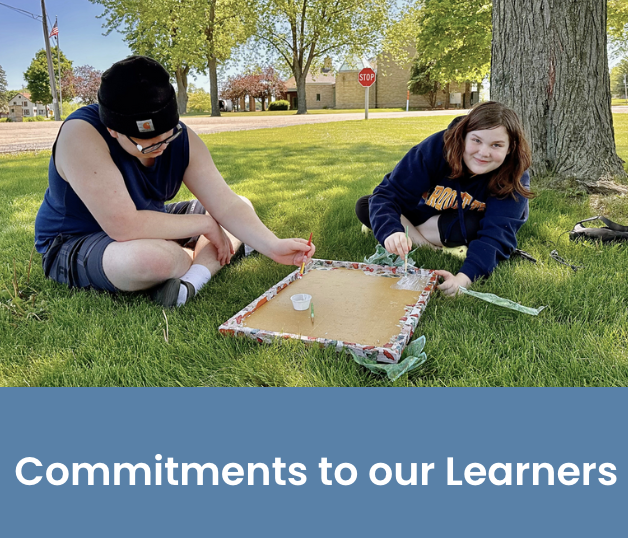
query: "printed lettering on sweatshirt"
443, 198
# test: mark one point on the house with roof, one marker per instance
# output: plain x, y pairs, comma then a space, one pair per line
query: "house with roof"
319, 90
390, 90
21, 107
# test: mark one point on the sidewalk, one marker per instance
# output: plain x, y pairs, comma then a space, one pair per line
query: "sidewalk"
33, 136
17, 137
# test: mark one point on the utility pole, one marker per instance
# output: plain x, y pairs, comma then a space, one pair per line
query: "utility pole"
51, 72
59, 70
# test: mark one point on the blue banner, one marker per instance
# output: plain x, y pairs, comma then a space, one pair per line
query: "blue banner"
313, 462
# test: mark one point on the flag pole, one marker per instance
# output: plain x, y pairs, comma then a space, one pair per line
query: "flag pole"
59, 69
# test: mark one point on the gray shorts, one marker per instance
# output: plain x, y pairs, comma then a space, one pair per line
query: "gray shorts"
76, 260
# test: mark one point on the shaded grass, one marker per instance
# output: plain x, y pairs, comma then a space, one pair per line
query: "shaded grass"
306, 179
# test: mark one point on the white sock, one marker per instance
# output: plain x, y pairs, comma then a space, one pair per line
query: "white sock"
198, 275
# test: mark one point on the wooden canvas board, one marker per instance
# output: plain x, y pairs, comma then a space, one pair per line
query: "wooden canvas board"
355, 306
349, 305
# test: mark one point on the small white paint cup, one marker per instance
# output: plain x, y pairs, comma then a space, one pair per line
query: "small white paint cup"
301, 301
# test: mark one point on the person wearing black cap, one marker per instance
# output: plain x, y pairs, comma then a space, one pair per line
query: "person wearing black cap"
104, 222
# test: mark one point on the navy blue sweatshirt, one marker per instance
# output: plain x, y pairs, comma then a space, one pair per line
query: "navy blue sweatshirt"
420, 184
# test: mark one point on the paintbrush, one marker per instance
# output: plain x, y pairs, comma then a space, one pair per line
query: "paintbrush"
405, 258
312, 312
309, 243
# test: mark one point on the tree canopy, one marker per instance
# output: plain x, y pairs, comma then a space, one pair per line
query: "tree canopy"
158, 31
225, 25
183, 35
261, 83
400, 37
617, 77
617, 25
199, 99
421, 82
82, 83
37, 78
455, 37
452, 39
302, 33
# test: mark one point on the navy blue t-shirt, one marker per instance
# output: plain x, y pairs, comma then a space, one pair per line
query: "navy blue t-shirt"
63, 212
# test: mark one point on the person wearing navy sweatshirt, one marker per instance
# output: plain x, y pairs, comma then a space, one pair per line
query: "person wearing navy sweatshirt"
467, 185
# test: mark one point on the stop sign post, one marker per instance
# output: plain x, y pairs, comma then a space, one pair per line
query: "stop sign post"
366, 77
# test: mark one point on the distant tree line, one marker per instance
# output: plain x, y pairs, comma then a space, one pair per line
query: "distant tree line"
445, 40
197, 36
203, 35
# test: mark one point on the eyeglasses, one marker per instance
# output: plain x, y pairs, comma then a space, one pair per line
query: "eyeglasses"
155, 147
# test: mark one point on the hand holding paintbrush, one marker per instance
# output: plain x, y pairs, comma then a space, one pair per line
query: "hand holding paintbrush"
405, 258
399, 243
309, 243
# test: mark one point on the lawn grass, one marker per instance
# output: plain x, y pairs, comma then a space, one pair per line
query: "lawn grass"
306, 179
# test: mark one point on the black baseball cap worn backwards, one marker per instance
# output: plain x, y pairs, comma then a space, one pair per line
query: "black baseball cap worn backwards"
136, 98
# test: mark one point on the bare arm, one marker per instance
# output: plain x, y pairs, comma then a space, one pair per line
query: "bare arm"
205, 182
82, 158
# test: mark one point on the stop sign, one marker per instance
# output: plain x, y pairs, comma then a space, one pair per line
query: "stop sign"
366, 77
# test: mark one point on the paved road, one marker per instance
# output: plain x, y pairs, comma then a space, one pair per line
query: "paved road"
17, 137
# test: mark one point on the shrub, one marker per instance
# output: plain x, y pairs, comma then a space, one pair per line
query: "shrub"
5, 120
29, 118
69, 107
279, 105
199, 101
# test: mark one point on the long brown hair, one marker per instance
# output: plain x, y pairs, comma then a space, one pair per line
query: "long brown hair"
506, 180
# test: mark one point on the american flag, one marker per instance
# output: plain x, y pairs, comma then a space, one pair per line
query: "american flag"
55, 31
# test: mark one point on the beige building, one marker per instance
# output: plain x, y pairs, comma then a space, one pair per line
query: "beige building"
349, 92
390, 89
319, 90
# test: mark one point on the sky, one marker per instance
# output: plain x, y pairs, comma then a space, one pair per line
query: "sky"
80, 34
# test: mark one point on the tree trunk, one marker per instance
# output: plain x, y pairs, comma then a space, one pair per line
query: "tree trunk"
431, 97
556, 79
447, 96
252, 104
301, 102
213, 85
466, 98
181, 75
